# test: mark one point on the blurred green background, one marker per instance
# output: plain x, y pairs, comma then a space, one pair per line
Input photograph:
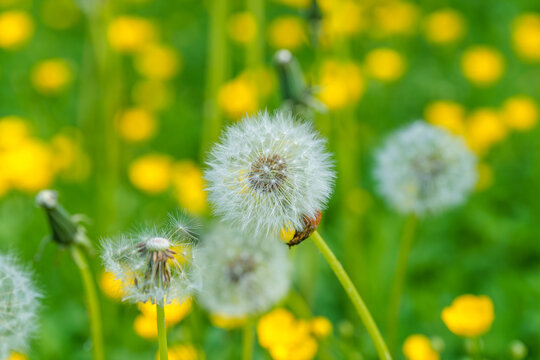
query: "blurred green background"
115, 103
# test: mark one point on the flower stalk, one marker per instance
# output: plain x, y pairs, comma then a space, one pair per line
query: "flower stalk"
248, 337
162, 332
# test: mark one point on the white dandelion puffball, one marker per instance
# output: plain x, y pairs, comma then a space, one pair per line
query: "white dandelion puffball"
240, 276
153, 266
424, 169
268, 172
19, 305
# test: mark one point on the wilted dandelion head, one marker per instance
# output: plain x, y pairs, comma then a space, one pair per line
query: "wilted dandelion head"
19, 303
240, 275
153, 265
423, 169
269, 171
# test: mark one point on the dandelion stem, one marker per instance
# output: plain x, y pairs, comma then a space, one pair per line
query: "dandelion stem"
353, 294
248, 337
407, 238
92, 302
162, 333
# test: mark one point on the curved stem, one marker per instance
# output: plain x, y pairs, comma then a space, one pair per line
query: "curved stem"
92, 302
398, 283
248, 337
354, 296
162, 333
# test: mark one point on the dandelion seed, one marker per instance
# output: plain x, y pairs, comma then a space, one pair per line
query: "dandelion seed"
19, 302
423, 169
269, 171
240, 276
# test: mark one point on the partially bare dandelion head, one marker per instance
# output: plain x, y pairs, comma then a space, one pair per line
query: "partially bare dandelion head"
19, 305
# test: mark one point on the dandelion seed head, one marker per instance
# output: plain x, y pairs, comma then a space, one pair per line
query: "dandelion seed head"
19, 304
240, 276
423, 169
269, 171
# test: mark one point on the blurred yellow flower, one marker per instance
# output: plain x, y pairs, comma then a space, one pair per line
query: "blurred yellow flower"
128, 34
262, 78
136, 124
60, 14
520, 112
444, 26
342, 18
152, 95
484, 127
446, 114
111, 286
151, 173
296, 3
418, 347
482, 65
485, 177
287, 32
69, 158
226, 322
286, 233
158, 62
341, 84
238, 97
16, 29
385, 64
321, 327
188, 182
469, 315
395, 18
174, 312
145, 327
17, 356
242, 27
182, 352
51, 76
13, 131
526, 36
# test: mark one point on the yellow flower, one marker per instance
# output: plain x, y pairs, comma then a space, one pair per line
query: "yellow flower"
520, 112
16, 356
484, 128
286, 233
287, 32
174, 312
128, 34
16, 29
111, 286
51, 76
238, 97
69, 158
182, 352
341, 84
226, 322
482, 65
469, 315
444, 26
136, 124
145, 327
485, 176
188, 181
60, 14
526, 36
342, 18
242, 27
321, 327
151, 173
262, 78
418, 347
395, 18
385, 64
152, 95
158, 62
13, 131
446, 114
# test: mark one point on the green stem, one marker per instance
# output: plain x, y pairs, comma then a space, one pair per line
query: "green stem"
92, 302
354, 296
162, 333
248, 338
398, 283
255, 50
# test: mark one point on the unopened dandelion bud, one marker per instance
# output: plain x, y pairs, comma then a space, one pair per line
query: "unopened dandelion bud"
309, 226
518, 350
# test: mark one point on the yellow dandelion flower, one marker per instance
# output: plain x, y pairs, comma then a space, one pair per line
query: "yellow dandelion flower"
419, 347
69, 159
188, 182
145, 327
385, 64
13, 131
182, 352
482, 65
242, 27
158, 62
484, 127
111, 286
469, 315
262, 78
238, 97
51, 76
342, 18
136, 124
128, 34
152, 95
341, 84
227, 322
321, 327
17, 356
444, 26
16, 29
60, 14
520, 112
151, 173
485, 177
449, 115
174, 312
287, 233
287, 32
395, 18
526, 36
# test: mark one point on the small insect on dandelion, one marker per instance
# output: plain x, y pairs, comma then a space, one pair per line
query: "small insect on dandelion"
269, 172
424, 169
19, 304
